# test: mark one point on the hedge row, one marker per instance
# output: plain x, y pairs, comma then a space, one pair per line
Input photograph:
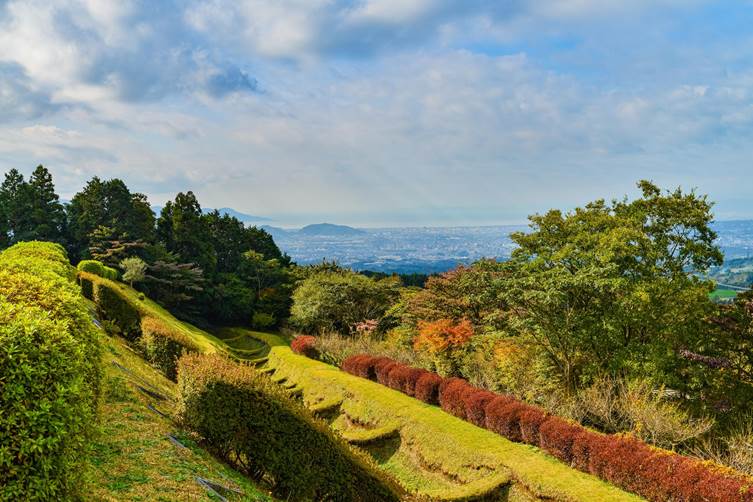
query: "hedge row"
250, 422
49, 375
622, 460
161, 344
98, 268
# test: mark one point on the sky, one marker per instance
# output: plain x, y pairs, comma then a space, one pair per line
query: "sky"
383, 112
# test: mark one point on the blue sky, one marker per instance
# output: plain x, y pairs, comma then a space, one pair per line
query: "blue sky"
383, 112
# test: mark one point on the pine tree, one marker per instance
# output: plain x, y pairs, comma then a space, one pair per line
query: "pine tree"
15, 201
47, 219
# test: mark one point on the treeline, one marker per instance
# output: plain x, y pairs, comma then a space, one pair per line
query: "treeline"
596, 316
204, 267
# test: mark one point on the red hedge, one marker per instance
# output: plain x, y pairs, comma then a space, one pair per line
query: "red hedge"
305, 345
622, 460
427, 388
475, 406
503, 416
452, 391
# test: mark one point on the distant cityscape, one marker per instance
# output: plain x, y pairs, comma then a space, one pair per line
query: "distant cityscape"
437, 249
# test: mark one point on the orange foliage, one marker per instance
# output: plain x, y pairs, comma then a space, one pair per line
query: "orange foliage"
438, 336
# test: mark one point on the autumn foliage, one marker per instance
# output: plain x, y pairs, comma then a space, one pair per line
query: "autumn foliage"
622, 460
441, 335
305, 345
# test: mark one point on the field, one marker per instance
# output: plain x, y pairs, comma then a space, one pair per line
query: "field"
720, 294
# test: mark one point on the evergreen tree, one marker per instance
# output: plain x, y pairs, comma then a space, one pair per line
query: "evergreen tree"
108, 204
47, 218
184, 231
16, 206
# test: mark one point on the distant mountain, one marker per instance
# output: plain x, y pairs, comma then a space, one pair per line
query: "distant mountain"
276, 232
245, 218
329, 230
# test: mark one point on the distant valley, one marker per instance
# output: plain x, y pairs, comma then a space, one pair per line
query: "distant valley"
437, 249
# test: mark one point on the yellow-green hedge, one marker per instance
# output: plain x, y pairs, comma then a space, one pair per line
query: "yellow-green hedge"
161, 344
49, 375
254, 425
98, 268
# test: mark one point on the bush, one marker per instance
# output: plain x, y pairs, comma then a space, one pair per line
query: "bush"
503, 417
262, 320
427, 388
87, 288
163, 346
305, 345
335, 348
530, 423
360, 365
475, 406
113, 305
254, 425
452, 392
557, 437
50, 369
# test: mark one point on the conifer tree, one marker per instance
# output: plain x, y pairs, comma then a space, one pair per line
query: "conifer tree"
15, 204
47, 217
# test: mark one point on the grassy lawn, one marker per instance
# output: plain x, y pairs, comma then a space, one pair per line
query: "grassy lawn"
133, 458
722, 294
429, 451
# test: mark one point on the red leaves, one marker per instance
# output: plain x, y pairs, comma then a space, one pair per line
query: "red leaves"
427, 388
305, 345
451, 394
619, 459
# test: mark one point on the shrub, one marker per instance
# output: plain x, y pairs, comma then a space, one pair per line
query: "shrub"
382, 369
398, 377
360, 365
262, 320
503, 416
163, 346
557, 437
87, 287
475, 406
530, 422
113, 305
452, 391
110, 273
49, 367
427, 388
335, 348
411, 380
254, 425
305, 345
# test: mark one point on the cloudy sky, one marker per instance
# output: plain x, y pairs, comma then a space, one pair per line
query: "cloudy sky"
383, 112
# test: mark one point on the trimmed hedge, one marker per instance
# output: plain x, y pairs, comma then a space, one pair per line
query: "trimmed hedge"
98, 268
50, 372
305, 345
163, 346
622, 460
250, 421
115, 306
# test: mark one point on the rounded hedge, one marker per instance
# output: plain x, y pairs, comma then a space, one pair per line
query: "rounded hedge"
50, 368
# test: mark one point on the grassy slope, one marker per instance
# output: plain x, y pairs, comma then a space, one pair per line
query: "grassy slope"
133, 459
434, 453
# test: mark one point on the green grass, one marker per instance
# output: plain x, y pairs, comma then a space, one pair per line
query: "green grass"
133, 459
722, 294
433, 454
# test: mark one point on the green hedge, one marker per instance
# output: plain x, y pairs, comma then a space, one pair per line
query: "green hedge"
163, 346
98, 268
115, 306
254, 425
49, 375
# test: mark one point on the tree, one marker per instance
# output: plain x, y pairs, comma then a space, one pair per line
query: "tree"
183, 230
15, 201
607, 288
107, 246
47, 218
336, 301
134, 269
108, 204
